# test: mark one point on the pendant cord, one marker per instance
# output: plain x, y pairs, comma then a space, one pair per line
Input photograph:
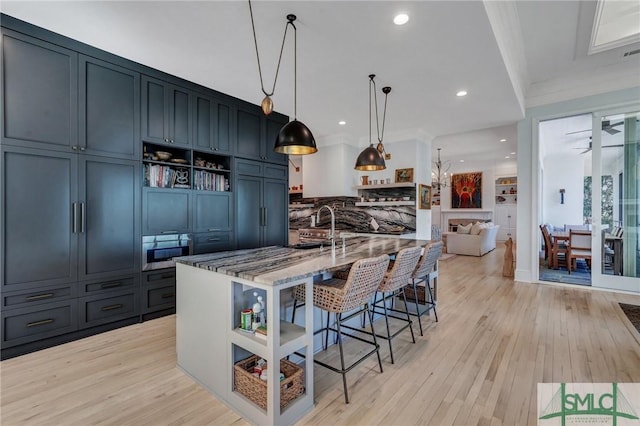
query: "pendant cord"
379, 134
370, 82
255, 41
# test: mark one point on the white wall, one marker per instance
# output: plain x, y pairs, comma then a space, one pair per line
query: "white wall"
565, 172
295, 178
329, 172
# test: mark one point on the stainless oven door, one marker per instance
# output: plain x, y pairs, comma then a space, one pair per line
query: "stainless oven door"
158, 251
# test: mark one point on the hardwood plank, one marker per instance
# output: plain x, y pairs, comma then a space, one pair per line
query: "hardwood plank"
480, 364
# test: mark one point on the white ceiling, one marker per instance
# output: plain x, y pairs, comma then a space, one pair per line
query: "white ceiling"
446, 46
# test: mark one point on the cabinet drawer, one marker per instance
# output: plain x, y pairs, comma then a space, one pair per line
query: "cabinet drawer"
38, 297
278, 172
158, 298
101, 309
130, 282
162, 277
28, 324
212, 242
247, 167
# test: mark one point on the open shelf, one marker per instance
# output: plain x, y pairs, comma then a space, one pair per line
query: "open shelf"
388, 185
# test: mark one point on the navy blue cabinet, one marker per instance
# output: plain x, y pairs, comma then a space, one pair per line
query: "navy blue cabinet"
213, 128
40, 93
167, 112
256, 134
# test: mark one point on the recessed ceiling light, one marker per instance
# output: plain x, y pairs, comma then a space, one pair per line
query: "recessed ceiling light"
503, 140
342, 122
506, 156
462, 161
461, 93
401, 19
513, 153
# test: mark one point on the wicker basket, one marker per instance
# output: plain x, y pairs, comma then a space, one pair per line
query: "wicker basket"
256, 390
410, 295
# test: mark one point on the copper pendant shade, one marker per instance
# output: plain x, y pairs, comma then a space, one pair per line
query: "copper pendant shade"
371, 158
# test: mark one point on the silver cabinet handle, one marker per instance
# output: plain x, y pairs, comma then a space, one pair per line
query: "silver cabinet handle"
83, 217
213, 239
82, 148
74, 217
213, 229
169, 232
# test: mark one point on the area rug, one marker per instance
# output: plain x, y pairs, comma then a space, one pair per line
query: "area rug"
633, 313
582, 276
446, 256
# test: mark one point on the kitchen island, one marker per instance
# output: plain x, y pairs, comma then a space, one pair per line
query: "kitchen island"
213, 289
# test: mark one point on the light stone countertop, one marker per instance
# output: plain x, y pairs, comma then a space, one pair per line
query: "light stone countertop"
277, 265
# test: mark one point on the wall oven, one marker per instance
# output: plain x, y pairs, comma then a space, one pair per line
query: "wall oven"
158, 251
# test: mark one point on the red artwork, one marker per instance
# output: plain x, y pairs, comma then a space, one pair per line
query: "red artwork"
466, 191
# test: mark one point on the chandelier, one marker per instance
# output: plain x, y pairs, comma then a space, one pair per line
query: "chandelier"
439, 176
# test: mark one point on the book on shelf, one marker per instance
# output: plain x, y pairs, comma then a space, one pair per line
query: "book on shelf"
261, 332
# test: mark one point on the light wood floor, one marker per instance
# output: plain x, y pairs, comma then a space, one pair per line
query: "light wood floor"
479, 365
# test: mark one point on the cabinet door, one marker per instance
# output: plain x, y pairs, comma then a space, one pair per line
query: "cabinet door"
249, 133
276, 212
40, 89
180, 113
109, 109
39, 191
212, 211
155, 110
248, 199
165, 211
223, 115
204, 128
110, 231
273, 125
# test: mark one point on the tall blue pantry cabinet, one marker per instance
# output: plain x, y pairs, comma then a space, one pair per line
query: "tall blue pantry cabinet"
78, 127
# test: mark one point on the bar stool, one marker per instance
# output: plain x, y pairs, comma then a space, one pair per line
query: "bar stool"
341, 296
424, 272
398, 275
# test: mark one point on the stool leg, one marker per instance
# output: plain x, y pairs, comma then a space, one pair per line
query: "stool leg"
386, 320
433, 303
342, 368
373, 332
415, 300
326, 333
293, 314
406, 309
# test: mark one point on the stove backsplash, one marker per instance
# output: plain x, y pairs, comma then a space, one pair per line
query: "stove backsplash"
351, 217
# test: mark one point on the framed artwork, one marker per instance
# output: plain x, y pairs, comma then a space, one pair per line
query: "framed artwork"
404, 175
466, 190
425, 196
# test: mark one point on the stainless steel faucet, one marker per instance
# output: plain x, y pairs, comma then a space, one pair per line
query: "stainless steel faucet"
332, 236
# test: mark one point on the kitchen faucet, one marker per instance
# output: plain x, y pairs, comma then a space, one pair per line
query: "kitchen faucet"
332, 236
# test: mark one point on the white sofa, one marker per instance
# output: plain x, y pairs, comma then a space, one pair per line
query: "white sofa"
473, 245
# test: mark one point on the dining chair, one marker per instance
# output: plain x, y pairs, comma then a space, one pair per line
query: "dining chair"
579, 248
556, 251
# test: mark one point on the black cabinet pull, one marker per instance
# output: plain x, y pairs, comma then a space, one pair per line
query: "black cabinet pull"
111, 307
169, 232
41, 322
213, 239
39, 296
213, 229
168, 295
111, 285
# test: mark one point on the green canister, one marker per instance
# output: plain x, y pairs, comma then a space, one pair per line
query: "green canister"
246, 319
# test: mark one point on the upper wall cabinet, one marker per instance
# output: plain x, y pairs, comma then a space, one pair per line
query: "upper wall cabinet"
257, 134
109, 109
40, 86
166, 113
212, 125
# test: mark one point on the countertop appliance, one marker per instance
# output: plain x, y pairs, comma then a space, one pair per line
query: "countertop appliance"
158, 251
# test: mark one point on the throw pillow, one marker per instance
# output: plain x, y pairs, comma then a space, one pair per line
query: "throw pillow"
476, 228
464, 229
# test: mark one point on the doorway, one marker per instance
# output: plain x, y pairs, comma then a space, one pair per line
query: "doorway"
589, 184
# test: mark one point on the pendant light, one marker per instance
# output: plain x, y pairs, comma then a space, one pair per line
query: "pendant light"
294, 137
371, 158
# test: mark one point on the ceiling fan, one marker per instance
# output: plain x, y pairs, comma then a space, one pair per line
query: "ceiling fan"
590, 147
607, 126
